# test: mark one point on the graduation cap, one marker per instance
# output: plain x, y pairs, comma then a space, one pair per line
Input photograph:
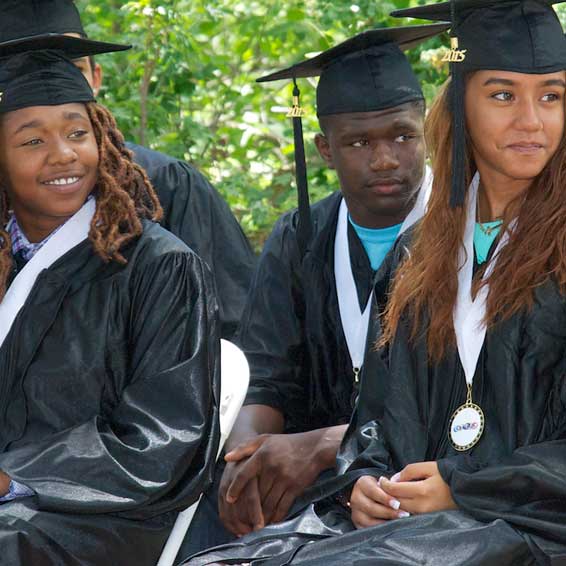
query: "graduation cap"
523, 36
366, 73
41, 78
41, 24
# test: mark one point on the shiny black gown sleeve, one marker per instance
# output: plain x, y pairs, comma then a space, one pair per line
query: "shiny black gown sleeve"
195, 212
154, 450
272, 329
515, 473
527, 488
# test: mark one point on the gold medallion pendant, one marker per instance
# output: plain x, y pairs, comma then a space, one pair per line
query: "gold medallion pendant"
466, 426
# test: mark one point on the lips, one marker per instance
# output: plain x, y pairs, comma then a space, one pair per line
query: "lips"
525, 147
386, 186
63, 183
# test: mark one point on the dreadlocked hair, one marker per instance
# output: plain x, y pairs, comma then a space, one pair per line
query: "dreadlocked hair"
124, 196
5, 243
123, 191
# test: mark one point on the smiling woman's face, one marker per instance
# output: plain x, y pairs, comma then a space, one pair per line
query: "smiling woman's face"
515, 121
48, 164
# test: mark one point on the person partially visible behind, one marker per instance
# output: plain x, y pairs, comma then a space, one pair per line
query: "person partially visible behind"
109, 340
196, 213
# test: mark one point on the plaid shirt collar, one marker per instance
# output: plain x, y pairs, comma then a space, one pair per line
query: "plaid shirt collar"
20, 243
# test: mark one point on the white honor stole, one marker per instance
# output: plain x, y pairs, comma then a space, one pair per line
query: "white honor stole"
469, 314
72, 233
355, 322
468, 421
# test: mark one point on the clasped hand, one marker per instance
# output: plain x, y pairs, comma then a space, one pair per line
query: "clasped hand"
418, 488
263, 477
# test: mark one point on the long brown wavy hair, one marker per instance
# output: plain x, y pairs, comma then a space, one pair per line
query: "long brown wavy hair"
124, 196
426, 284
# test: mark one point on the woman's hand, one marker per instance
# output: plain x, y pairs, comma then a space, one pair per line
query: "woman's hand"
420, 489
371, 505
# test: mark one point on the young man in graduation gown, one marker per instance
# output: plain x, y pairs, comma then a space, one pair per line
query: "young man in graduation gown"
305, 325
465, 465
109, 343
193, 209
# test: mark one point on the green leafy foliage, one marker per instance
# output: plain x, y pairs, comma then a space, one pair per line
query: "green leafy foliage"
188, 86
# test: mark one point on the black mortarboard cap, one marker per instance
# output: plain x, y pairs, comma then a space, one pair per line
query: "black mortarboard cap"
41, 78
41, 24
366, 73
523, 36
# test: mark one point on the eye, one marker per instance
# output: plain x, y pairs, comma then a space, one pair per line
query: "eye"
551, 97
77, 134
360, 143
32, 142
503, 96
404, 138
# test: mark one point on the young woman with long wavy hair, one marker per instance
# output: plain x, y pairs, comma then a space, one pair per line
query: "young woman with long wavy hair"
473, 427
108, 335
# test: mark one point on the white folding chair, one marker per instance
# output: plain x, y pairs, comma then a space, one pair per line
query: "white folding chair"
234, 379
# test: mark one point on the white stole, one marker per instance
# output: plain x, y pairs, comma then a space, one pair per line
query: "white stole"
72, 233
355, 323
469, 314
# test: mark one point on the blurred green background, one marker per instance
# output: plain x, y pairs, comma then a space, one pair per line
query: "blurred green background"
188, 86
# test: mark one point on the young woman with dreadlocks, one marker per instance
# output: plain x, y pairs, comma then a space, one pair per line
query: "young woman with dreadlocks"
108, 335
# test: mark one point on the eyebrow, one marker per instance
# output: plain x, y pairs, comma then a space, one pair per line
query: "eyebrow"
69, 116
509, 82
74, 116
28, 125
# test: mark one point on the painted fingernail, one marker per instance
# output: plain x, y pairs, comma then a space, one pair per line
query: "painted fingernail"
394, 504
381, 480
396, 477
403, 514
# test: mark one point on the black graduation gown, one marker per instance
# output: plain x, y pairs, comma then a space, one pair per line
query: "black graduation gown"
109, 388
510, 488
196, 213
291, 331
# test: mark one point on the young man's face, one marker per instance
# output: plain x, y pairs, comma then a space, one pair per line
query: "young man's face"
379, 158
92, 72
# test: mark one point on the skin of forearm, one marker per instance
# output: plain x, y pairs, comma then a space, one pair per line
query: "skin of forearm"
328, 444
254, 420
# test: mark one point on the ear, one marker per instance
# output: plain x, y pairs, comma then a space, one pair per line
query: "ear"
321, 142
96, 78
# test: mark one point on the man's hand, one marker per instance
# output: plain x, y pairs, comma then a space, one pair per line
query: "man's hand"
284, 465
420, 489
245, 515
4, 483
371, 505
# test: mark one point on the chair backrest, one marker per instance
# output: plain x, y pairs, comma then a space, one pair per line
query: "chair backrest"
234, 380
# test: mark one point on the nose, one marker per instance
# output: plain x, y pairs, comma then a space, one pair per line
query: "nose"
61, 153
528, 116
384, 157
